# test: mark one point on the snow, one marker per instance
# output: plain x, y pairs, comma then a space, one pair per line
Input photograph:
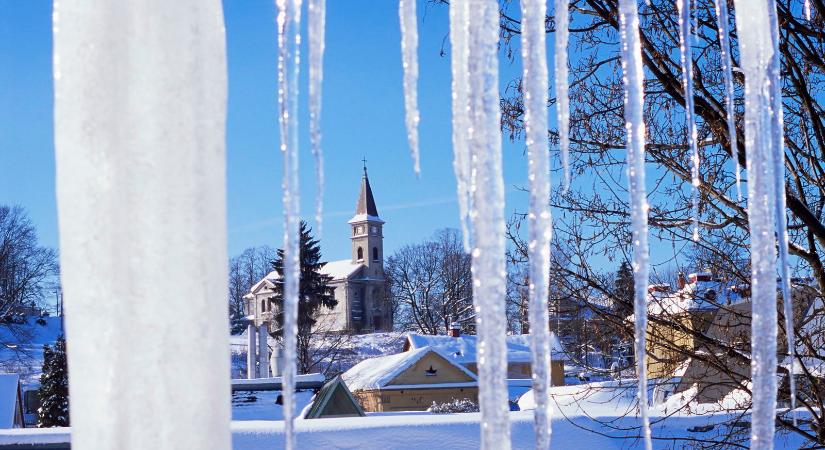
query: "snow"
409, 58
364, 218
463, 349
289, 44
260, 405
317, 28
459, 45
22, 352
140, 111
695, 296
377, 373
338, 270
8, 399
685, 43
758, 51
635, 127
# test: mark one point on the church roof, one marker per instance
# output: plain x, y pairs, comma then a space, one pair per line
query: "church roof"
366, 202
336, 269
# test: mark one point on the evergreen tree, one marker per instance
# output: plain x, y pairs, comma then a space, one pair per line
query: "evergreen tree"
54, 387
624, 289
314, 293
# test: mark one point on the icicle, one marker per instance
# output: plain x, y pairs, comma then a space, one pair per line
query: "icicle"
317, 29
686, 56
562, 87
635, 126
724, 56
487, 214
534, 57
459, 11
777, 135
807, 8
135, 120
409, 53
757, 48
289, 43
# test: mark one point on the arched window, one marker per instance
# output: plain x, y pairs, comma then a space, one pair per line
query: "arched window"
263, 305
360, 253
375, 253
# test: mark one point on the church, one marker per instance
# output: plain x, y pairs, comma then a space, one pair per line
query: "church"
359, 281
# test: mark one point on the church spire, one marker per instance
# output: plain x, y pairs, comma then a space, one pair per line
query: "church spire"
366, 202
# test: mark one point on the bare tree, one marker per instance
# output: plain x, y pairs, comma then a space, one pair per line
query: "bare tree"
25, 266
431, 283
246, 269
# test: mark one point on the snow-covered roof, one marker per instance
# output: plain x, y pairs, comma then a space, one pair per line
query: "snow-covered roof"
9, 383
377, 373
695, 296
336, 269
364, 218
462, 349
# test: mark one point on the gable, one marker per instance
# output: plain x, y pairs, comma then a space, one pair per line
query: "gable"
432, 368
334, 400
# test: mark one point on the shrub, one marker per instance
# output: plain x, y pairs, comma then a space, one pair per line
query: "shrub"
463, 405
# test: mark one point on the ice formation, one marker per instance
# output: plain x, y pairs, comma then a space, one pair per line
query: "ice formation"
409, 54
535, 84
686, 57
317, 30
289, 44
758, 50
487, 215
459, 45
635, 127
724, 56
141, 192
562, 86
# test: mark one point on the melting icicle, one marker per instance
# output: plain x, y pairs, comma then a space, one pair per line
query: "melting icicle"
778, 141
724, 56
409, 54
635, 126
686, 56
807, 8
758, 47
122, 144
317, 28
534, 57
289, 43
562, 87
489, 284
459, 11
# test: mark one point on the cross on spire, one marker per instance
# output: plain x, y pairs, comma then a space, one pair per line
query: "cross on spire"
365, 165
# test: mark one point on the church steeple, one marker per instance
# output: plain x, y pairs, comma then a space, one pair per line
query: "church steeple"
367, 229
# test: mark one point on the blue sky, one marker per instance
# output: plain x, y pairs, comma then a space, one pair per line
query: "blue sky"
362, 117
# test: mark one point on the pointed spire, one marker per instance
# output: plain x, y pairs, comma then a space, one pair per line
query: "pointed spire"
366, 202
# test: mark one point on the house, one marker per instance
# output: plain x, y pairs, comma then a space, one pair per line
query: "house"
462, 350
693, 331
333, 400
410, 381
359, 285
11, 401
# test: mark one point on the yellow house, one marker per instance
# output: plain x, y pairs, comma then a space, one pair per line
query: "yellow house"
410, 381
461, 348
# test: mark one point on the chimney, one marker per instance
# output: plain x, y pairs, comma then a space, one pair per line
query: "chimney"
680, 281
455, 330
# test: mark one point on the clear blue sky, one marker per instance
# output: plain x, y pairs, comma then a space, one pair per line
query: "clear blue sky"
362, 117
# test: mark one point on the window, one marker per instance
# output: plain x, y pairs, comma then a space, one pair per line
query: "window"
374, 229
375, 253
263, 305
360, 253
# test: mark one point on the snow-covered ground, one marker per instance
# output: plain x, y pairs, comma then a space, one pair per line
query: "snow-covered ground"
21, 347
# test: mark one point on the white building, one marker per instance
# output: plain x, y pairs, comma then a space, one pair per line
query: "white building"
359, 285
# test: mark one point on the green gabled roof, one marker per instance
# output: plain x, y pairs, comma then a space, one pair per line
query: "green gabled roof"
323, 404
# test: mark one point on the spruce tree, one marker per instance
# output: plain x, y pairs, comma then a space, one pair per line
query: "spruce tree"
314, 293
54, 387
624, 289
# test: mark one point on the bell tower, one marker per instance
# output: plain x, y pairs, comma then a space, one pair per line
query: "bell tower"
367, 231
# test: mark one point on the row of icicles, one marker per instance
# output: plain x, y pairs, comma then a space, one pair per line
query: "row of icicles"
476, 139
